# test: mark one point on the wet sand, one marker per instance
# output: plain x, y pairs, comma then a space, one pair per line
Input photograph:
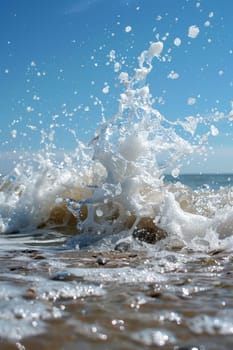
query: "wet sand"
54, 298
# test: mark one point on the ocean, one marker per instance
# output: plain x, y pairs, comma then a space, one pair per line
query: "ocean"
203, 181
101, 249
113, 284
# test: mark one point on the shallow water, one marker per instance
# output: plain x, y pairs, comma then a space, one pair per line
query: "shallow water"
154, 296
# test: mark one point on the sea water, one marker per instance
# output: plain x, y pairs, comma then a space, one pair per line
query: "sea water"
111, 247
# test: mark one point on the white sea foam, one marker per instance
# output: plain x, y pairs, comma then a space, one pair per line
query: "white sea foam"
221, 323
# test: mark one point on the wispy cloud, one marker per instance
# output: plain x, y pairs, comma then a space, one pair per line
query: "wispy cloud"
82, 6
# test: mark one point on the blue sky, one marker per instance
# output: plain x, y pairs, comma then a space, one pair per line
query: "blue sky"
54, 65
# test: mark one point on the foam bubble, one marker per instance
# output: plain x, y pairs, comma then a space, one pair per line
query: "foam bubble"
14, 133
177, 41
29, 109
207, 24
128, 29
193, 31
106, 89
173, 75
191, 101
214, 130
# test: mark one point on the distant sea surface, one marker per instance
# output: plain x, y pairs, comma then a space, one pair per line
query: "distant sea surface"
201, 181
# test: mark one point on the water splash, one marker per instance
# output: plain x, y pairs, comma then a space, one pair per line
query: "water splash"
113, 188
